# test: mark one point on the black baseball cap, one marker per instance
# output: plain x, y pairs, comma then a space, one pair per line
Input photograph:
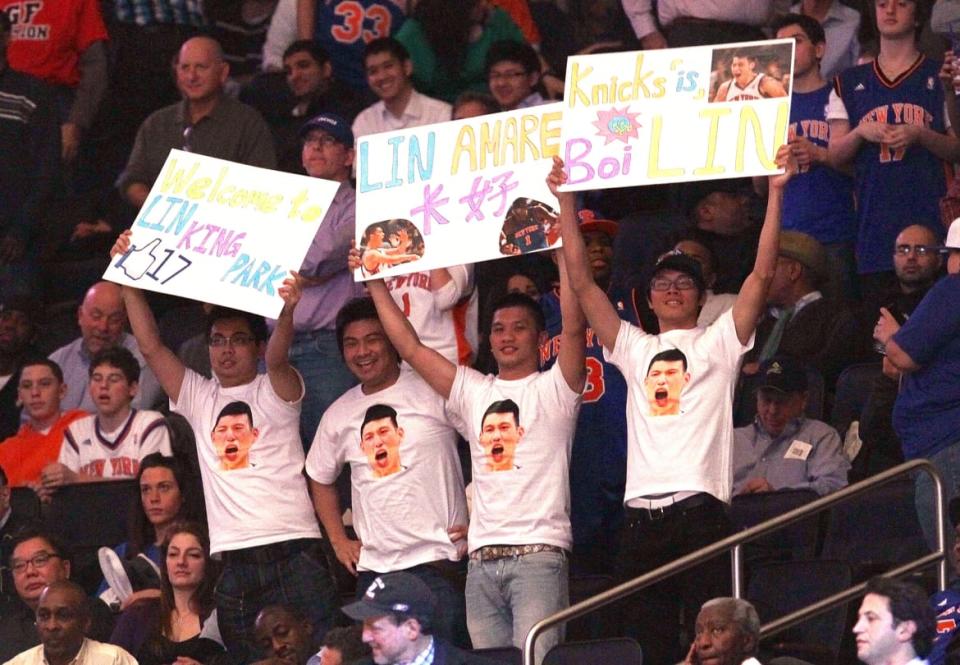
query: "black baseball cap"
676, 260
782, 374
332, 124
401, 593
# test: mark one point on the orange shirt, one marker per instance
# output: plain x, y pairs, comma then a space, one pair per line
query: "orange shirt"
24, 454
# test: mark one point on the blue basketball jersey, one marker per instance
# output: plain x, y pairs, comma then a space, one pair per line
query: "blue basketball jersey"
598, 460
818, 200
895, 188
345, 27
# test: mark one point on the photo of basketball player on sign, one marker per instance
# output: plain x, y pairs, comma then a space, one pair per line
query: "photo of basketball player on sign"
529, 226
389, 243
751, 72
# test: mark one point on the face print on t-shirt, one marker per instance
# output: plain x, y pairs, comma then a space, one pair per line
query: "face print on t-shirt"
234, 435
500, 432
380, 439
667, 376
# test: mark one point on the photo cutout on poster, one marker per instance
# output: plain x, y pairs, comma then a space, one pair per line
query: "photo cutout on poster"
233, 436
380, 440
667, 376
744, 73
389, 243
529, 226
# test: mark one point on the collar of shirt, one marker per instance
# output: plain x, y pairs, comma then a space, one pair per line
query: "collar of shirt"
813, 296
414, 109
425, 657
77, 659
531, 100
789, 429
183, 114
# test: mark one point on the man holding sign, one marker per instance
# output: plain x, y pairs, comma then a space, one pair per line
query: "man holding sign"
679, 461
260, 513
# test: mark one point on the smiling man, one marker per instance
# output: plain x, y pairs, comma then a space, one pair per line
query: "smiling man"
513, 74
389, 72
391, 417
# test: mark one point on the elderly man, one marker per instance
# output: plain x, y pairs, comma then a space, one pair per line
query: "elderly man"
38, 560
101, 317
207, 122
63, 616
727, 633
398, 611
782, 449
895, 624
925, 352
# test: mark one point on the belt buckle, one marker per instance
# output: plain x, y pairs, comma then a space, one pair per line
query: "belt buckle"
658, 513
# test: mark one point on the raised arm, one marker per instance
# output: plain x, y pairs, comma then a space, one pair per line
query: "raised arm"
433, 367
573, 334
165, 364
594, 303
284, 378
753, 294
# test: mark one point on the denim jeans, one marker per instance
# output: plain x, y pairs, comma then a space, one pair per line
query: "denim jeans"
947, 462
445, 579
317, 358
299, 578
505, 597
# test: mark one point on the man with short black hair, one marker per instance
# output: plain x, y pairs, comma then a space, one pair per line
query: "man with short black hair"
398, 611
727, 633
63, 618
285, 635
395, 434
895, 624
513, 74
747, 83
389, 72
783, 449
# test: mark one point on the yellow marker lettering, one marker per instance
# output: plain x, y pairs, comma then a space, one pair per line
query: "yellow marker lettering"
714, 113
653, 163
576, 94
550, 134
198, 188
176, 179
466, 145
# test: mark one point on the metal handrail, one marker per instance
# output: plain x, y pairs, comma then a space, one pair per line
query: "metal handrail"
734, 543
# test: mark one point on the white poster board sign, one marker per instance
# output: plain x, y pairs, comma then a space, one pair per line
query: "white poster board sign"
456, 192
222, 232
675, 115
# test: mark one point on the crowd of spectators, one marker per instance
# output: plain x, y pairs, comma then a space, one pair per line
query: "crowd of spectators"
590, 414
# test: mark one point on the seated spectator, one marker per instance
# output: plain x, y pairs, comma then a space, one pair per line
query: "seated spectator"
37, 560
40, 388
63, 43
715, 304
341, 646
101, 317
448, 44
165, 497
29, 166
181, 625
894, 623
207, 122
110, 443
389, 71
800, 321
18, 332
63, 617
783, 449
727, 632
471, 104
284, 635
314, 90
946, 603
513, 74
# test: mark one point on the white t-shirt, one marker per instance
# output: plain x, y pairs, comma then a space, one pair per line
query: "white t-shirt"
260, 498
407, 485
521, 487
443, 319
680, 421
117, 454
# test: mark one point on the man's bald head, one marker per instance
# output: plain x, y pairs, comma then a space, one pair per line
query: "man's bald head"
205, 46
201, 70
101, 317
915, 261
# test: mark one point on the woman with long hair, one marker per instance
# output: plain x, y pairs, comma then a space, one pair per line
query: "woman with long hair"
180, 625
165, 496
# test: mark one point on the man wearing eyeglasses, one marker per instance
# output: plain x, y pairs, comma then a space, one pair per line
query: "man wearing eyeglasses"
38, 559
513, 74
679, 463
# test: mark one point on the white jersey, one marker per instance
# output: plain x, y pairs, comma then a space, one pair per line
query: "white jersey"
521, 489
679, 399
254, 489
750, 91
445, 319
405, 475
91, 450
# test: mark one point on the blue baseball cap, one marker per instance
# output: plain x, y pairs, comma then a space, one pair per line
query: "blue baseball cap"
332, 124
